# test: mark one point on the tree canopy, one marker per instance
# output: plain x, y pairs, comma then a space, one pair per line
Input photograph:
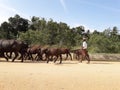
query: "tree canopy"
40, 31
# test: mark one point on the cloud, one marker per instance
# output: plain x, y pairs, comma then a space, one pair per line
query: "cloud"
63, 5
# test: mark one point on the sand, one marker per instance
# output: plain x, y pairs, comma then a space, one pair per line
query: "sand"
71, 75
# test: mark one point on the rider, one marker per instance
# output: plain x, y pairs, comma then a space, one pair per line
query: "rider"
84, 50
84, 44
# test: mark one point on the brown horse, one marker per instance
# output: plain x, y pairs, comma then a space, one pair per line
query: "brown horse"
50, 52
66, 51
35, 49
77, 53
42, 54
81, 55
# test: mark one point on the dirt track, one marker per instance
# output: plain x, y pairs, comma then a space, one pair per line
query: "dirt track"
70, 75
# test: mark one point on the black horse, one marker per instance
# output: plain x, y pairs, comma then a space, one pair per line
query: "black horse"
16, 46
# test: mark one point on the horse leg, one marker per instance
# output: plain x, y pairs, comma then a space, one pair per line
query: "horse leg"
56, 59
16, 55
9, 56
41, 57
83, 55
51, 59
76, 57
22, 56
31, 57
70, 56
37, 57
88, 58
47, 58
66, 56
5, 57
81, 58
60, 58
25, 56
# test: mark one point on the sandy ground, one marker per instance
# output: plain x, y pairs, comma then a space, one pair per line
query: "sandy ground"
71, 75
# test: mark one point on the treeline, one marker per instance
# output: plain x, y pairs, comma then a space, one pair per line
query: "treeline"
48, 32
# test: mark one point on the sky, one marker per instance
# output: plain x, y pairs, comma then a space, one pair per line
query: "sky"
92, 14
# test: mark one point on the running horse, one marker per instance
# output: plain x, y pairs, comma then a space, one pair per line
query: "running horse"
56, 53
35, 49
16, 46
66, 51
51, 52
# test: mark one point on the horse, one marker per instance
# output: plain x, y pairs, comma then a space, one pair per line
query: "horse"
35, 49
16, 46
77, 53
81, 55
53, 52
66, 51
42, 54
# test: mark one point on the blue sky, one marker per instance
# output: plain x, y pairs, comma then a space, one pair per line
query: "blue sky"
92, 14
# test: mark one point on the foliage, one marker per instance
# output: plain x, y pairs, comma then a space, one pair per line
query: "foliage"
40, 31
14, 25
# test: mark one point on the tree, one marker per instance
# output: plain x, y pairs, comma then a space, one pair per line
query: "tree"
114, 31
6, 30
107, 32
80, 29
37, 23
18, 24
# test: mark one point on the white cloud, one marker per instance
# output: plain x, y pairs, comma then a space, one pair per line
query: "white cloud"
63, 5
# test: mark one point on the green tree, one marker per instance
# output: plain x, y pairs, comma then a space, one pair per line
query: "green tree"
6, 30
18, 24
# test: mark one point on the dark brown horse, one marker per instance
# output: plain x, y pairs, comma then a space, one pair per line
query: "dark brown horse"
16, 46
42, 54
51, 52
66, 51
81, 55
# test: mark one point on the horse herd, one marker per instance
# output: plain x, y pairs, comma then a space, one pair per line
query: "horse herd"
36, 52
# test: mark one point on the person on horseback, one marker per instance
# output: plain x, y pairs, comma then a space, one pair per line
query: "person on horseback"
85, 54
84, 44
